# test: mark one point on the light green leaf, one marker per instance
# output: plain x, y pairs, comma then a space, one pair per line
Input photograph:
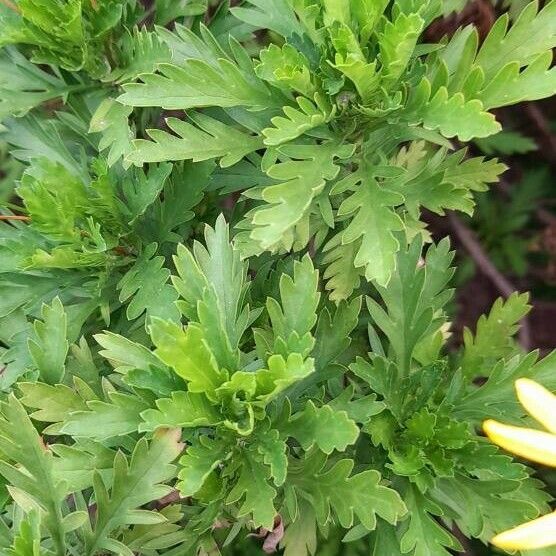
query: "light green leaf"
294, 319
195, 84
287, 68
141, 52
183, 409
111, 119
146, 289
34, 475
350, 60
186, 351
281, 374
397, 43
310, 115
367, 14
212, 284
120, 416
199, 460
493, 339
323, 427
302, 180
136, 482
49, 345
208, 139
254, 489
455, 116
375, 222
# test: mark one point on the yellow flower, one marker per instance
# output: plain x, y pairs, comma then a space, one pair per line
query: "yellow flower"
535, 445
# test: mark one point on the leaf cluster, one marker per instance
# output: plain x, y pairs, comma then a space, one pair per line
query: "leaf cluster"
221, 310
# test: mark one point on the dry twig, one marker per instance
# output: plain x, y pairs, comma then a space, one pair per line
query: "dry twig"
467, 238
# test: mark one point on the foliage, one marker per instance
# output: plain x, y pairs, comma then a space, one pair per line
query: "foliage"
221, 311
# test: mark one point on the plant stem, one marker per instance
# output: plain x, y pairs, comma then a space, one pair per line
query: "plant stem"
14, 217
486, 267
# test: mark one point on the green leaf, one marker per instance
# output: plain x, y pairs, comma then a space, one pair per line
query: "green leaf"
125, 355
39, 138
111, 119
493, 338
52, 404
207, 139
146, 289
455, 116
302, 180
333, 334
49, 345
24, 85
141, 189
78, 463
300, 536
375, 222
273, 449
341, 274
181, 193
195, 84
414, 299
497, 504
136, 482
141, 52
183, 409
34, 476
120, 416
424, 535
324, 427
199, 460
186, 351
294, 319
359, 409
397, 43
270, 14
496, 397
351, 498
212, 284
28, 540
253, 488
510, 85
507, 142
504, 46
298, 121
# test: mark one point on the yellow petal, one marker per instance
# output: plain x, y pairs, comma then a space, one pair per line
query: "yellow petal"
530, 444
538, 401
538, 533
